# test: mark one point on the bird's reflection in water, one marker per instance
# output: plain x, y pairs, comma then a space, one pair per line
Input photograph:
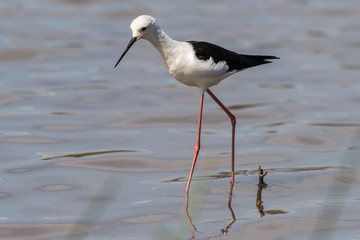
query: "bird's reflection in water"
223, 230
187, 212
259, 204
226, 229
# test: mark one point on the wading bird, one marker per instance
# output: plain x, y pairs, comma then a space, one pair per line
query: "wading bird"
195, 63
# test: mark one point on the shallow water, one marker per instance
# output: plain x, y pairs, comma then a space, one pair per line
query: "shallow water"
89, 152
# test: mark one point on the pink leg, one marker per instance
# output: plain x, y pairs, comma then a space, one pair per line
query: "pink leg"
197, 146
233, 123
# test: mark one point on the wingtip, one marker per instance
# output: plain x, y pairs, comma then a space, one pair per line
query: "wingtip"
271, 57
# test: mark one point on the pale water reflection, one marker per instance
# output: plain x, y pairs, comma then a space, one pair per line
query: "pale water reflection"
89, 152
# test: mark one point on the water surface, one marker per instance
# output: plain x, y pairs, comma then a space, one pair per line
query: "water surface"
89, 152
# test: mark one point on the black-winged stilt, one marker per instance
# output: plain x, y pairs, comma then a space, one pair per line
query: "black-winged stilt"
193, 63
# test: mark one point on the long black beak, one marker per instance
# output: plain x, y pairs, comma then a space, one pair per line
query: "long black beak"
132, 41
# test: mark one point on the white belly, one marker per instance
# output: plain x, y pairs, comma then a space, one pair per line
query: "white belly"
191, 71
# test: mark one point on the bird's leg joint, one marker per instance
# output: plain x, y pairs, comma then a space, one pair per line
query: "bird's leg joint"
197, 147
233, 119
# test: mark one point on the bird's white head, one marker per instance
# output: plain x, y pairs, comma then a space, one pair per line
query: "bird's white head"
143, 26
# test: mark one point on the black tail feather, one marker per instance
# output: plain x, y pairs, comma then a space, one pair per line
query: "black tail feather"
248, 61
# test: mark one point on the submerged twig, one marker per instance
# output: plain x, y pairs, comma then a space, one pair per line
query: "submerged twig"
261, 185
261, 176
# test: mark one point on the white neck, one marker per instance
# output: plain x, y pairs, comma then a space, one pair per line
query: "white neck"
162, 42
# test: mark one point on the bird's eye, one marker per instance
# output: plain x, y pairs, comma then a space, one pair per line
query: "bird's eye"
143, 29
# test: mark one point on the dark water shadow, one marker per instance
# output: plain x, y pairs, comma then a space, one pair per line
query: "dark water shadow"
245, 106
86, 154
223, 175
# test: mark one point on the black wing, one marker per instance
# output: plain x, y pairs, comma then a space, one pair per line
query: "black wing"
235, 61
